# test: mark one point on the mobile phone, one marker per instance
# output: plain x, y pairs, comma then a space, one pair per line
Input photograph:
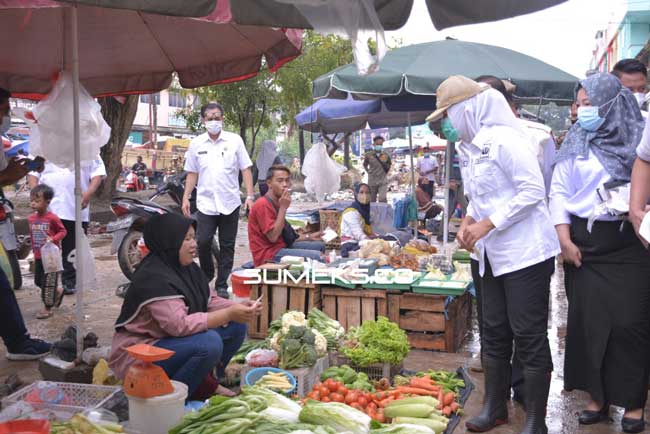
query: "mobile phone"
258, 301
35, 165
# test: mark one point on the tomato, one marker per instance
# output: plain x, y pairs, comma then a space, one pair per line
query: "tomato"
362, 401
356, 405
334, 386
328, 382
317, 385
325, 399
337, 397
351, 397
343, 390
372, 407
324, 391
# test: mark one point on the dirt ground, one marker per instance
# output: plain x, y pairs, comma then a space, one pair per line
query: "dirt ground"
101, 308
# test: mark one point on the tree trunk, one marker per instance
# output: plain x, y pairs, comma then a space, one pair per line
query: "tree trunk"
301, 146
346, 152
120, 118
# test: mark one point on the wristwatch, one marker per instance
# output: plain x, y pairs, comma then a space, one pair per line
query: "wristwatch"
250, 197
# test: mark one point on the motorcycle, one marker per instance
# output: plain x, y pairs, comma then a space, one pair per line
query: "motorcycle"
9, 239
133, 213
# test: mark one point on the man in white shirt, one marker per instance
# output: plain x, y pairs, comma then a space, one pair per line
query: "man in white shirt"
63, 205
428, 169
633, 75
640, 189
213, 162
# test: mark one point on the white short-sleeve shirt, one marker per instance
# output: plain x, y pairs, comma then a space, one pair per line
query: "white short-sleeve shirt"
62, 182
218, 164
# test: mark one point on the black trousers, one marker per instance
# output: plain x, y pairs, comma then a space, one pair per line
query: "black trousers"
12, 325
207, 228
517, 378
69, 275
515, 306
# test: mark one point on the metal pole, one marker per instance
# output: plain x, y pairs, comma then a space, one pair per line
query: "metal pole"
77, 182
408, 117
445, 221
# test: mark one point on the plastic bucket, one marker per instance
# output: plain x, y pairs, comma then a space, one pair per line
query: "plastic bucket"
239, 288
159, 414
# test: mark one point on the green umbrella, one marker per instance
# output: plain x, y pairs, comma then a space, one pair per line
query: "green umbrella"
419, 69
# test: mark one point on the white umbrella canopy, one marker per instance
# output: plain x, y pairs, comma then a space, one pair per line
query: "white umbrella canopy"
128, 51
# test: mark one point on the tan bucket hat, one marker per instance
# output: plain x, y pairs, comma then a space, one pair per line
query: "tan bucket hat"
453, 90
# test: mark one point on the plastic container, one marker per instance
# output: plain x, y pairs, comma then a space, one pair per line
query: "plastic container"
239, 288
159, 414
28, 426
256, 374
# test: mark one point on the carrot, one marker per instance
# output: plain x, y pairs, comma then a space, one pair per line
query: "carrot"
448, 398
446, 411
441, 398
416, 391
454, 406
384, 402
422, 383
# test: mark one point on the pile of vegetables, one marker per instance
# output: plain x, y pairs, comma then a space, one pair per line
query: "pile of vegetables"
422, 411
349, 377
297, 344
275, 381
328, 327
81, 424
378, 341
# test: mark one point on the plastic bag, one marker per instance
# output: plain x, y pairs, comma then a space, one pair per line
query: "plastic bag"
322, 174
87, 276
51, 258
262, 358
53, 134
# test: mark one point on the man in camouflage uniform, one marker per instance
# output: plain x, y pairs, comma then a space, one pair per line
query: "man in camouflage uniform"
377, 163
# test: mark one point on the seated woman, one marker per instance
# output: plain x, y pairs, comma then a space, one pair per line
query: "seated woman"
355, 221
425, 204
169, 305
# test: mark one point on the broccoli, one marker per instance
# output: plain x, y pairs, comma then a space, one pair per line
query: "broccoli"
309, 337
310, 355
290, 345
296, 332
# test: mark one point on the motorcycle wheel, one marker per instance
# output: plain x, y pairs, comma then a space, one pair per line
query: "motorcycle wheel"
128, 255
15, 269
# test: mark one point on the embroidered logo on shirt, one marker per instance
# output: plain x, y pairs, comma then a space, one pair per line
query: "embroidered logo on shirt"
202, 152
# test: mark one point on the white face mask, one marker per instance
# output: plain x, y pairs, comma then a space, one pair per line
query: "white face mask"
214, 127
5, 125
640, 98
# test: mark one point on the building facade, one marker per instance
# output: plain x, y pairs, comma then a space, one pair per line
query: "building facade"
167, 104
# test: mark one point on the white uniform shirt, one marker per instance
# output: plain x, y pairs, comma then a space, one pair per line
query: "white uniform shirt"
62, 182
574, 188
218, 165
352, 226
543, 146
426, 165
643, 150
503, 182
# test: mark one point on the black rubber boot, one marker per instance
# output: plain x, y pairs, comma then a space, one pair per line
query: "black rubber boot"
537, 384
497, 386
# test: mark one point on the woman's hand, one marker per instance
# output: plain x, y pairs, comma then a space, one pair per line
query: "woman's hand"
244, 312
571, 252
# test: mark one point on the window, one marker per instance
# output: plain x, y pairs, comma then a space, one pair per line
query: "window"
177, 100
174, 120
147, 98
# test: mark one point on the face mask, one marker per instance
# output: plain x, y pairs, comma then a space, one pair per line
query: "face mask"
427, 155
448, 130
589, 119
640, 98
5, 125
378, 148
363, 198
214, 127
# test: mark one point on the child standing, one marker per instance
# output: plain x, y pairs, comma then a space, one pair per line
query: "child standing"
44, 226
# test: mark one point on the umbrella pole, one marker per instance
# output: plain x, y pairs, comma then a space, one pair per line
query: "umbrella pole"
445, 221
408, 117
77, 181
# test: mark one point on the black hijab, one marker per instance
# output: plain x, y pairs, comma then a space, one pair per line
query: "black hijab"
160, 276
364, 210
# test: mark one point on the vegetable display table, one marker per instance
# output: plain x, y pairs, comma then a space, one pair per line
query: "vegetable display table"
351, 307
277, 299
432, 322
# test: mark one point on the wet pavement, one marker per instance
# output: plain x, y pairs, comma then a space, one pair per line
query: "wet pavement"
101, 307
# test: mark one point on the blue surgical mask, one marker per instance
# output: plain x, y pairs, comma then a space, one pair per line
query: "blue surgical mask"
589, 119
427, 155
378, 148
448, 130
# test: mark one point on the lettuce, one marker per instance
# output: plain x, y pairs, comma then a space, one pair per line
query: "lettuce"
378, 341
341, 417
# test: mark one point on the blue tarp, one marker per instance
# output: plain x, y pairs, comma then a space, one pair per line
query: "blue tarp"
348, 115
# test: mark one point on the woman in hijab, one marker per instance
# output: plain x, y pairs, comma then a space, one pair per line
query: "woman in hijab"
169, 305
267, 157
606, 268
355, 220
508, 225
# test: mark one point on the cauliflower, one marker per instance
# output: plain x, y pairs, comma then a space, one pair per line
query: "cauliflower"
294, 318
320, 343
275, 342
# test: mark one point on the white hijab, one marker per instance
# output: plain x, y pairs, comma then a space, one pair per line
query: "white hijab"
265, 158
486, 109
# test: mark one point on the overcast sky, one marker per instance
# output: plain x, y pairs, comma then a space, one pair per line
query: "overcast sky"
562, 35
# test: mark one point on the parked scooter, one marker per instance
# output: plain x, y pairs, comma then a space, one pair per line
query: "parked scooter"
133, 213
9, 240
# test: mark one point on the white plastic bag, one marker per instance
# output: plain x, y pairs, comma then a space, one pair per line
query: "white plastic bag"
87, 277
322, 174
51, 258
53, 134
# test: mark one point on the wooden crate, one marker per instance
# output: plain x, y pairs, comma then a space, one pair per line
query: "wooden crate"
351, 307
422, 316
277, 299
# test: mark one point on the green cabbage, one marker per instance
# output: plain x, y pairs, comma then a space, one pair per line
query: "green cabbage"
339, 416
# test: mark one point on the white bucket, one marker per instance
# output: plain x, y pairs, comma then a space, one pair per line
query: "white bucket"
159, 414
